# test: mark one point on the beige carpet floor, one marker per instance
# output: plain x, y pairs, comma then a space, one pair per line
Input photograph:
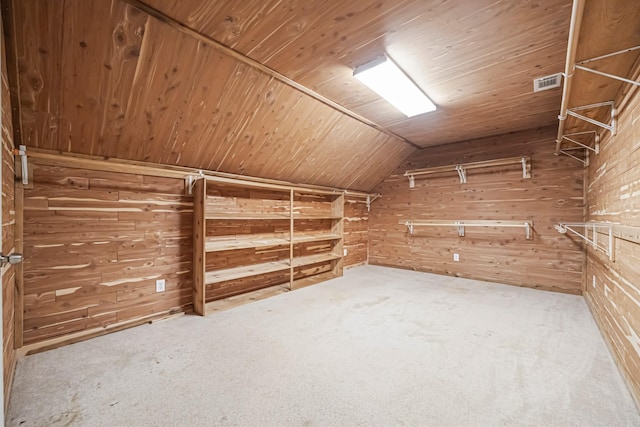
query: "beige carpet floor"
377, 347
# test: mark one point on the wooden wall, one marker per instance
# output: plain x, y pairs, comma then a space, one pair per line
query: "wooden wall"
356, 232
8, 231
554, 193
612, 289
95, 242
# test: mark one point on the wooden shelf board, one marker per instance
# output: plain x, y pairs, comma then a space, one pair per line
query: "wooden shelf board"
218, 276
314, 259
315, 279
213, 244
245, 298
316, 216
304, 238
244, 215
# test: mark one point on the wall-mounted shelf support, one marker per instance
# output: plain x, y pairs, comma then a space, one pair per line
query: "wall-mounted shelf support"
462, 168
370, 199
611, 127
22, 152
571, 137
580, 66
590, 232
596, 148
460, 225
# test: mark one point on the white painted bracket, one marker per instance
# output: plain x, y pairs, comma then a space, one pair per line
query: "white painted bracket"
409, 225
580, 66
462, 173
370, 199
412, 181
594, 229
611, 127
460, 227
22, 152
190, 181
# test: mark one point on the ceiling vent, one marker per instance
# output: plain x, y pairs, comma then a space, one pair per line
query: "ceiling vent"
548, 82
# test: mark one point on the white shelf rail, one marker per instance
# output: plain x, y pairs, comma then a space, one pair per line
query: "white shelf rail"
601, 235
461, 169
460, 225
598, 235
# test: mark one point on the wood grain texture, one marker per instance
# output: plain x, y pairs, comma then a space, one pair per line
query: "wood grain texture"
356, 232
548, 261
94, 244
607, 27
132, 87
476, 73
8, 230
95, 241
612, 289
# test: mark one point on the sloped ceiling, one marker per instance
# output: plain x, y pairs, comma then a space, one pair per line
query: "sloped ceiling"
102, 77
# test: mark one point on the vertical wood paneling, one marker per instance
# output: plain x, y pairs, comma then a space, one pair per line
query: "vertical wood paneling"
96, 85
548, 261
39, 53
8, 230
95, 242
612, 289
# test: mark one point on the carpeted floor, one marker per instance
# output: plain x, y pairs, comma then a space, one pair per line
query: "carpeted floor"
377, 347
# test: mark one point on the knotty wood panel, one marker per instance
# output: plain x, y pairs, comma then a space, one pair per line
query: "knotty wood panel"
129, 86
612, 289
549, 261
8, 231
356, 232
95, 242
475, 59
93, 253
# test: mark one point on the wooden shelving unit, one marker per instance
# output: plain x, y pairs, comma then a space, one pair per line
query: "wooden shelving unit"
249, 237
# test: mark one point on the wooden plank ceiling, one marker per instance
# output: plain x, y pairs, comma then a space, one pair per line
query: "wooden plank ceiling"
101, 77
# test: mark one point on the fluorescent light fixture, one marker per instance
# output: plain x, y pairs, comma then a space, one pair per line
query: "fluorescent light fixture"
385, 78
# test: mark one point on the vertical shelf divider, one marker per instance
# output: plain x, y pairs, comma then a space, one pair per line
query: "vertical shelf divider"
199, 233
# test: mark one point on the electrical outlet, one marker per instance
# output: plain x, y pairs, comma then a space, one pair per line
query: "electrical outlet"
345, 251
456, 257
160, 285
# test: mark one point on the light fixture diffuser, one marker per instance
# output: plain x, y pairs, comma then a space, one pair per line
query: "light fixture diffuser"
385, 78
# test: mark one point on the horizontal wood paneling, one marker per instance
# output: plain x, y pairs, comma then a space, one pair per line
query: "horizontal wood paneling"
94, 244
129, 86
356, 232
8, 230
613, 288
554, 193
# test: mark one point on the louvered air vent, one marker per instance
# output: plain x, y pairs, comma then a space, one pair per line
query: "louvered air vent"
548, 82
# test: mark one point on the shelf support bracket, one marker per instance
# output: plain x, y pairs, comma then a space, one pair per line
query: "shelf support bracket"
409, 225
580, 66
462, 173
22, 152
460, 226
527, 230
412, 181
611, 127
